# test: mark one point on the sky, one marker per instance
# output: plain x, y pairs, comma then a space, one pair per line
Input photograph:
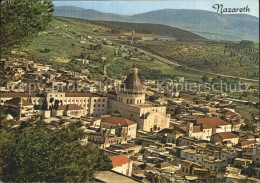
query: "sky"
134, 7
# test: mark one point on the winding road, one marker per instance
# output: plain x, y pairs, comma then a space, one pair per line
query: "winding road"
171, 62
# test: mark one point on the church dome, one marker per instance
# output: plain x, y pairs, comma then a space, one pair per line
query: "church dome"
132, 82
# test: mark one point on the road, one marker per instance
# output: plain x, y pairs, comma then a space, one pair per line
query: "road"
168, 61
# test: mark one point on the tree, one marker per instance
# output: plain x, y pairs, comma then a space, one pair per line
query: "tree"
82, 55
205, 79
98, 47
22, 20
36, 154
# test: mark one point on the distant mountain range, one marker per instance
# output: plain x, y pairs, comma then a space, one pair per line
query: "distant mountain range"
204, 23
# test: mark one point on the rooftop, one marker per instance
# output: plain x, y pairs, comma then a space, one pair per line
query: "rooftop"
119, 120
211, 122
227, 135
132, 82
113, 177
119, 160
81, 95
11, 95
246, 143
17, 100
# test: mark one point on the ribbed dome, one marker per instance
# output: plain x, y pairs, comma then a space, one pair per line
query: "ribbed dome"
132, 82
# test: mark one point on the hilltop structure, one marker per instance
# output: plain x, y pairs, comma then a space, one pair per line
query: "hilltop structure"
130, 103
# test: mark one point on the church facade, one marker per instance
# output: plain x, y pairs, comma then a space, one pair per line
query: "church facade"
130, 103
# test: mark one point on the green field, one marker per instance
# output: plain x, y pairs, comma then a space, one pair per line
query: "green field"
67, 38
230, 58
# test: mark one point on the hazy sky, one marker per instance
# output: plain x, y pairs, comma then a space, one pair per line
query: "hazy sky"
135, 7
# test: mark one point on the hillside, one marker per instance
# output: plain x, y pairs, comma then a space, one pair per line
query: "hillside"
207, 24
67, 39
237, 59
89, 14
204, 23
156, 29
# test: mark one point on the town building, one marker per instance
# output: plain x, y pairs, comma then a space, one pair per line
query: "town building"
122, 164
130, 103
225, 138
123, 126
93, 104
19, 108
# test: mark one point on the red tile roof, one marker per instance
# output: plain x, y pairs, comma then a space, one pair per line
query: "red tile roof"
227, 135
211, 122
247, 143
11, 95
229, 113
70, 107
15, 101
119, 120
196, 129
81, 95
235, 123
120, 160
183, 129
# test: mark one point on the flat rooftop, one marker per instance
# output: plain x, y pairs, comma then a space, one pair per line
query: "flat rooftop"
113, 177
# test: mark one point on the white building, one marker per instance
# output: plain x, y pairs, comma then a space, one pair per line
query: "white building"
93, 104
122, 164
127, 126
130, 103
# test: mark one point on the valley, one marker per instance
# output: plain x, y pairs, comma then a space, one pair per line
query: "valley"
191, 59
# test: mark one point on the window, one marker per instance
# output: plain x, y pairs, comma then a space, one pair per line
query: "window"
99, 100
104, 100
95, 100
